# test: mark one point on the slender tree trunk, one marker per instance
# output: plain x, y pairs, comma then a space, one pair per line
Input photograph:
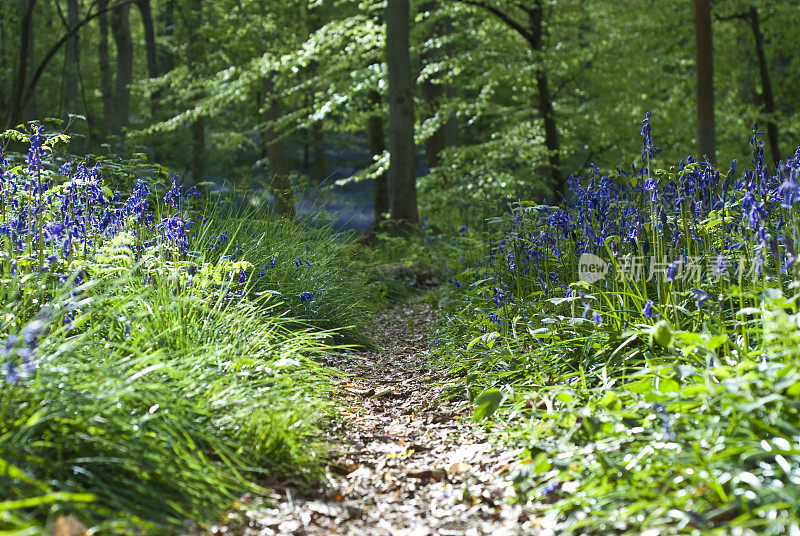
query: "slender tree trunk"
71, 59
306, 136
146, 12
164, 57
28, 89
5, 68
198, 149
402, 183
14, 112
433, 91
281, 188
377, 145
320, 165
194, 20
544, 103
121, 30
766, 86
706, 138
104, 66
29, 105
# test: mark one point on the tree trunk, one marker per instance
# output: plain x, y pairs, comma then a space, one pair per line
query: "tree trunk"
706, 138
766, 86
105, 69
121, 30
402, 184
320, 166
544, 103
164, 56
14, 113
5, 68
306, 137
377, 145
198, 149
281, 188
433, 92
193, 19
146, 12
71, 59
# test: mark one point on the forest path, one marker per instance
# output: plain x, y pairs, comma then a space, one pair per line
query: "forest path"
409, 463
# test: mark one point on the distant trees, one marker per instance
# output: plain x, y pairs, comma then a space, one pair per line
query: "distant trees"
500, 98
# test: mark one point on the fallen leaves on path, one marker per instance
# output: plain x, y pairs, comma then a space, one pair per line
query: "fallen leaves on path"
410, 463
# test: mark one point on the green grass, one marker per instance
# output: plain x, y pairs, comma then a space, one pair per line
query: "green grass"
683, 422
152, 387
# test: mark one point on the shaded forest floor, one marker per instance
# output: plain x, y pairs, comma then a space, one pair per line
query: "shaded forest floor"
405, 462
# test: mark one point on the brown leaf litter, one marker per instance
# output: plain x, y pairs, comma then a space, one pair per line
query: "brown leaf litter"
410, 462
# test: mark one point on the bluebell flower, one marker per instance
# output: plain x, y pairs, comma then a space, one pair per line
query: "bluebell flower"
12, 377
173, 195
700, 296
550, 487
672, 271
306, 297
647, 310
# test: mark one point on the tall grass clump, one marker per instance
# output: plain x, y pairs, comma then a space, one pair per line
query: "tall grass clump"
156, 349
642, 336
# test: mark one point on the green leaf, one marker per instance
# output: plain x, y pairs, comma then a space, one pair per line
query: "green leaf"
487, 403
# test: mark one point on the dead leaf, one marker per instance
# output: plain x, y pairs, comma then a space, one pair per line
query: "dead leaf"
383, 392
427, 474
67, 526
458, 468
360, 392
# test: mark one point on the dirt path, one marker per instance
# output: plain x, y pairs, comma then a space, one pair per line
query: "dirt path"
410, 463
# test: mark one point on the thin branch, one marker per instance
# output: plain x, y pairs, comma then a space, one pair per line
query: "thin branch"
504, 17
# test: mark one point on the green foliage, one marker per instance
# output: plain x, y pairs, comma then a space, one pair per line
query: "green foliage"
146, 384
660, 404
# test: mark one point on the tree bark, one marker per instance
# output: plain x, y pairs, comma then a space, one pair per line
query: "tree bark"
71, 59
14, 105
377, 145
402, 183
706, 138
165, 59
121, 31
544, 101
193, 20
198, 149
281, 188
104, 65
146, 12
766, 85
320, 166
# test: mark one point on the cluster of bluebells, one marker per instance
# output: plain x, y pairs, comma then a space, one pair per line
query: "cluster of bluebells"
57, 221
19, 351
653, 216
50, 216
